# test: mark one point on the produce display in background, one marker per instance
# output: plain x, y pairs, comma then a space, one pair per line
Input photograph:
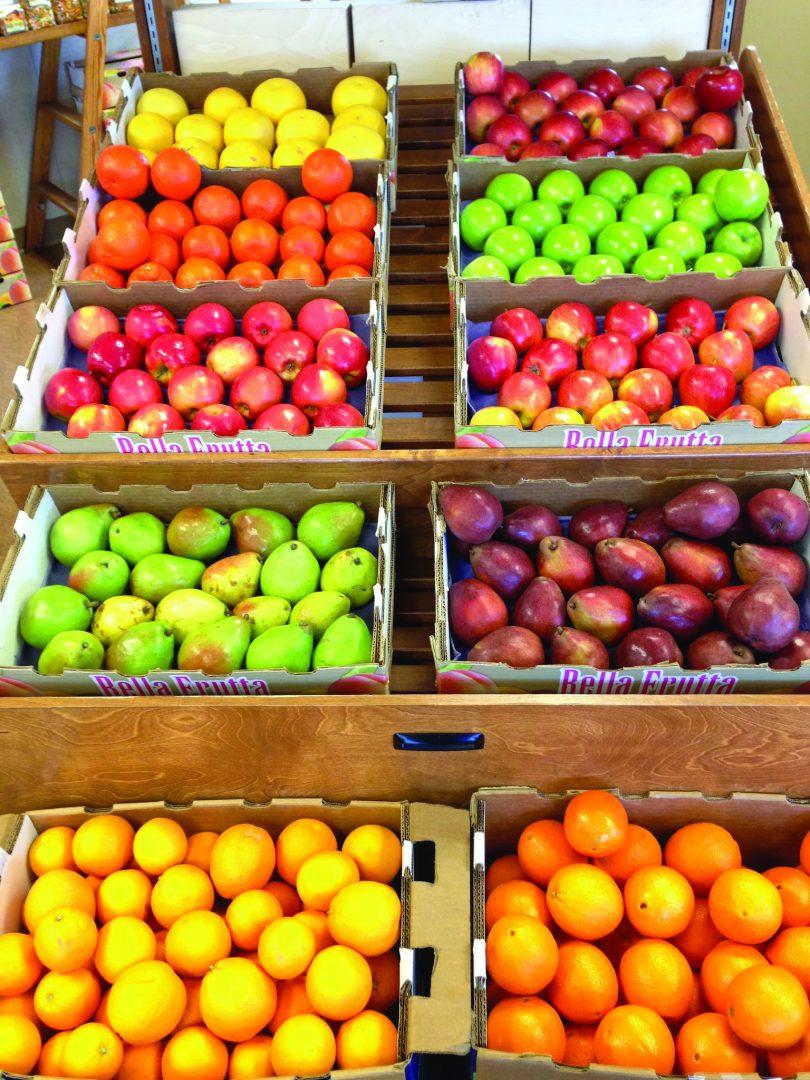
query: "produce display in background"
122, 967
654, 113
608, 943
666, 225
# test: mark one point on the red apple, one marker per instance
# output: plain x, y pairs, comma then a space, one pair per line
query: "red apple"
611, 354
231, 357
481, 114
208, 323
692, 75
669, 353
341, 414
192, 388
518, 325
585, 392
346, 353
572, 322
695, 145
527, 395
586, 105
317, 385
110, 353
154, 420
145, 322
786, 403
681, 100
719, 126
483, 73
283, 418
635, 320
169, 352
89, 322
711, 389
486, 149
256, 390
219, 419
613, 128
634, 102
511, 134
648, 388
88, 419
535, 107
513, 88
132, 389
557, 83
564, 129
288, 353
317, 317
263, 321
730, 349
68, 390
638, 148
619, 414
539, 150
556, 417
693, 318
552, 359
684, 417
663, 127
761, 383
589, 148
755, 316
491, 361
719, 88
744, 412
655, 80
605, 82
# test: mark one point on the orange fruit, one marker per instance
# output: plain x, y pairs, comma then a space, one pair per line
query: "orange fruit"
338, 983
352, 210
790, 1062
804, 853
66, 1001
659, 901
378, 854
254, 240
595, 823
301, 240
699, 937
179, 890
634, 1037
654, 973
170, 217
57, 889
522, 955
164, 251
303, 1046
195, 1054
384, 981
52, 850
793, 886
286, 895
243, 858
207, 242
20, 1044
745, 906
141, 1062
264, 199
102, 1015
543, 849
505, 868
50, 1058
20, 1005
318, 922
701, 852
768, 1007
366, 916
122, 171
301, 268
20, 967
124, 892
251, 1060
286, 948
200, 846
196, 941
123, 942
322, 877
304, 210
697, 1002
150, 271
721, 966
366, 1041
639, 849
584, 987
146, 1002
124, 209
194, 271
65, 939
791, 949
103, 844
578, 1045
95, 885
93, 1051
175, 173
248, 914
292, 1001
707, 1044
516, 898
250, 274
526, 1025
584, 901
159, 844
217, 205
237, 999
160, 944
192, 1017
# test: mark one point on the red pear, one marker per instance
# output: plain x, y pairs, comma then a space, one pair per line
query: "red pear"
795, 653
646, 647
649, 526
505, 568
778, 516
753, 562
472, 514
717, 648
630, 564
576, 647
475, 611
567, 563
602, 610
541, 608
599, 522
766, 616
528, 525
694, 562
512, 645
682, 609
705, 510
724, 598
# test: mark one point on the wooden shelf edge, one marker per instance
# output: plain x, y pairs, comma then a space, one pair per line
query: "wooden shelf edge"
61, 30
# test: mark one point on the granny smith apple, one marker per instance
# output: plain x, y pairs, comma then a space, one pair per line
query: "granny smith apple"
669, 180
741, 195
719, 263
478, 219
742, 239
591, 267
614, 185
684, 238
591, 213
650, 211
562, 187
538, 267
699, 209
485, 266
658, 263
509, 191
512, 245
708, 182
622, 239
537, 218
566, 245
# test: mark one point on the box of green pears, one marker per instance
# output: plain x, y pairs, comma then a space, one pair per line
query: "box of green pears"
286, 589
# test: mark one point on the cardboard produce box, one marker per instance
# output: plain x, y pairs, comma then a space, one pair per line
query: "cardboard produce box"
27, 427
434, 1014
457, 674
478, 302
769, 829
30, 565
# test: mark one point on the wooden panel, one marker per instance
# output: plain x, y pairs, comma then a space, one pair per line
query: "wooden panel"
95, 52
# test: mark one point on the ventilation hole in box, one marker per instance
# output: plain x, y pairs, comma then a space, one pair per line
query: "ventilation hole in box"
424, 861
424, 960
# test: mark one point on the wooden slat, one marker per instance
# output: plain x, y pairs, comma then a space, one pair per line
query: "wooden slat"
418, 266
415, 114
421, 212
423, 160
411, 642
61, 30
433, 362
419, 238
64, 114
413, 679
435, 134
56, 195
426, 92
430, 398
424, 184
431, 299
420, 329
432, 431
95, 52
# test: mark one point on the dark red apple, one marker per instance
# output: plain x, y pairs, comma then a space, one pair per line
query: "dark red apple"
634, 102
68, 390
695, 145
152, 421
209, 323
534, 108
319, 316
681, 100
586, 105
719, 88
663, 127
261, 322
552, 359
145, 322
605, 82
612, 354
346, 353
564, 129
491, 361
590, 148
481, 114
638, 148
518, 325
718, 126
130, 390
111, 353
692, 75
559, 84
755, 316
572, 322
539, 150
511, 134
526, 394
169, 352
487, 150
655, 80
192, 388
711, 389
613, 128
513, 88
483, 73
288, 353
730, 349
636, 321
693, 318
669, 353
341, 414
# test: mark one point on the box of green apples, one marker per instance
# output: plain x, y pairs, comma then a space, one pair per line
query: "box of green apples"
287, 589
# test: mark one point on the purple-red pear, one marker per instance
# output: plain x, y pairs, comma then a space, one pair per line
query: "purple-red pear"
683, 610
716, 649
723, 599
566, 562
704, 511
753, 562
475, 611
795, 653
504, 567
602, 610
778, 516
528, 525
577, 648
649, 525
512, 645
696, 562
540, 608
647, 646
765, 617
598, 522
630, 564
471, 513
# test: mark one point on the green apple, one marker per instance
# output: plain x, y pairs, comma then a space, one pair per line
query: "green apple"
669, 180
622, 239
699, 210
742, 239
591, 213
538, 267
650, 211
591, 267
741, 195
509, 191
478, 219
684, 238
566, 245
658, 263
561, 187
537, 218
614, 185
708, 182
512, 245
719, 263
485, 266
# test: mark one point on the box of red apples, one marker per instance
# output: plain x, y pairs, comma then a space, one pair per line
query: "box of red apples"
623, 586
648, 105
647, 365
231, 373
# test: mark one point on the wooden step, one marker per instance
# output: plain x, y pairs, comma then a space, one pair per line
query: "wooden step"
433, 362
429, 398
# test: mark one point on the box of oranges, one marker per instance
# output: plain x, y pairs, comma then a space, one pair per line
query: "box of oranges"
668, 933
225, 939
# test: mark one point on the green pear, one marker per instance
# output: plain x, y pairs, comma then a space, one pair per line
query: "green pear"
260, 530
346, 642
135, 536
217, 649
287, 648
234, 578
352, 572
319, 610
157, 575
263, 612
84, 529
119, 613
291, 571
71, 649
141, 649
328, 528
198, 533
185, 610
99, 575
52, 609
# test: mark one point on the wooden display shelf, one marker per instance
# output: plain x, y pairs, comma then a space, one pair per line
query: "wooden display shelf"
61, 30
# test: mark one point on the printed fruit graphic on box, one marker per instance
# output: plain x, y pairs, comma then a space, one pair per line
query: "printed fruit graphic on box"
157, 952
608, 943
